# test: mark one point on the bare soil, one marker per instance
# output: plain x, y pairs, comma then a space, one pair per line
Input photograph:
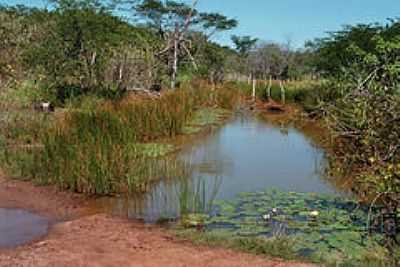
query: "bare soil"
45, 200
79, 237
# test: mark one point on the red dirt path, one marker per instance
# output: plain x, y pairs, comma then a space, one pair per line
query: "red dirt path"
101, 240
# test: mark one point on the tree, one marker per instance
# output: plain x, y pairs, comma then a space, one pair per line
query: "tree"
80, 47
215, 22
279, 61
18, 28
174, 21
266, 60
244, 44
366, 109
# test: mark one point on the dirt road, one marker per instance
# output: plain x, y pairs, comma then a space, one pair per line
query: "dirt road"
79, 238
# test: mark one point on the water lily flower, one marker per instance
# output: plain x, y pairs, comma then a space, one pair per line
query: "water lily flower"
314, 213
267, 217
274, 210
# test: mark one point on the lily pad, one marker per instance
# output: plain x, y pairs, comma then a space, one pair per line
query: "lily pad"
320, 224
193, 220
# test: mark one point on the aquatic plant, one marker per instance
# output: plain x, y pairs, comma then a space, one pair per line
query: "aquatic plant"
322, 228
196, 197
154, 150
205, 117
110, 148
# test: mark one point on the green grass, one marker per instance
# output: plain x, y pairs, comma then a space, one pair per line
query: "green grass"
307, 93
111, 147
274, 247
283, 248
205, 117
154, 150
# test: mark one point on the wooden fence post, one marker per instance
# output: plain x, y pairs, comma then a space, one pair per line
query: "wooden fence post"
254, 89
269, 88
283, 96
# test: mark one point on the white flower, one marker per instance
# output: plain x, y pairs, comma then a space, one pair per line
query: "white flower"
314, 213
266, 217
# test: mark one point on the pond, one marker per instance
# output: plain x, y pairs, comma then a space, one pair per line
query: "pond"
247, 154
250, 178
18, 227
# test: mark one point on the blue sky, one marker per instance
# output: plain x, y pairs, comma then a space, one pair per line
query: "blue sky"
295, 20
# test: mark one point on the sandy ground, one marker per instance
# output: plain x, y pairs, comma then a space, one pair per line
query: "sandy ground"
44, 200
79, 238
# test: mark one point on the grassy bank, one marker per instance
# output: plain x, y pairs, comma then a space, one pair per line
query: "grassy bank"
308, 93
283, 248
106, 147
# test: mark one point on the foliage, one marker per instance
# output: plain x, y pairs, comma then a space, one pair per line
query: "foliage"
212, 60
164, 15
77, 51
86, 47
269, 59
365, 114
244, 44
338, 53
177, 23
363, 63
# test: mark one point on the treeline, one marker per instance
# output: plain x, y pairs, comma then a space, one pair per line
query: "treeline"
264, 60
79, 46
360, 48
82, 46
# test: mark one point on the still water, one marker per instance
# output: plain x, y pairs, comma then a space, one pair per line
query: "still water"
19, 226
245, 155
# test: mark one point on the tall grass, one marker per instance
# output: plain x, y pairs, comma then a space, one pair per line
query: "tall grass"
98, 151
196, 196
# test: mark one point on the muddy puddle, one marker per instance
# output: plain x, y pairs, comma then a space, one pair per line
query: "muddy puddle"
247, 154
18, 227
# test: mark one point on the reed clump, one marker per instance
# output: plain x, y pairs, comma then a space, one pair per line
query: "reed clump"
100, 151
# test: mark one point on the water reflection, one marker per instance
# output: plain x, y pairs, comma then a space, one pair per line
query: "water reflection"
251, 155
245, 155
165, 201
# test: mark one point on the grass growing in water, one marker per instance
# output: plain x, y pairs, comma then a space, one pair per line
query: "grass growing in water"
111, 148
196, 199
205, 117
